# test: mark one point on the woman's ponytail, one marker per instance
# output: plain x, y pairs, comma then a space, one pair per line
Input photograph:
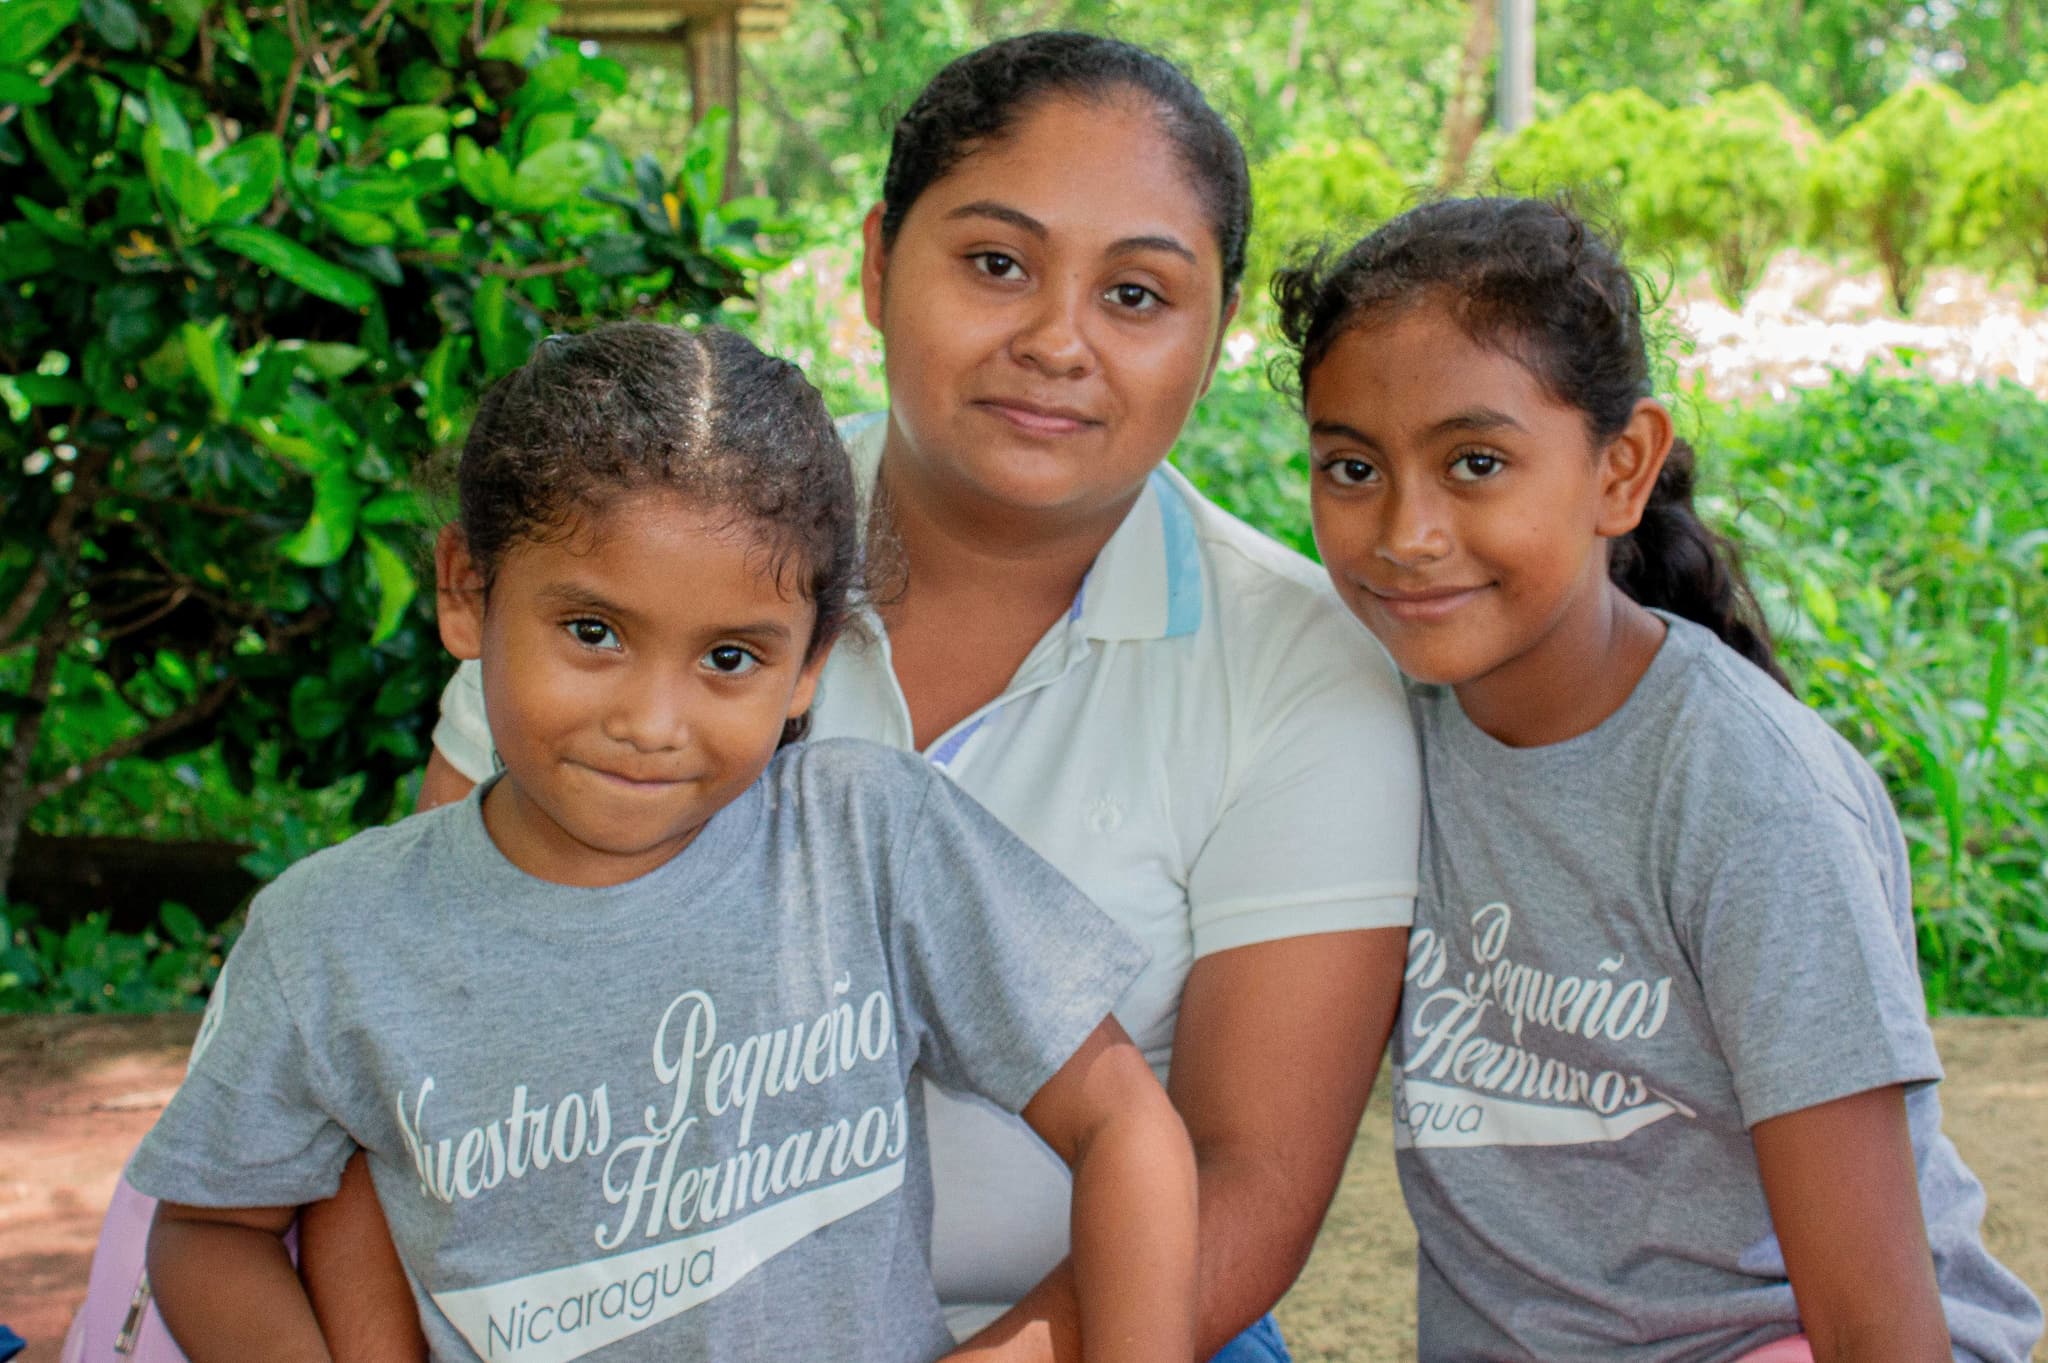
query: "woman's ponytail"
1673, 562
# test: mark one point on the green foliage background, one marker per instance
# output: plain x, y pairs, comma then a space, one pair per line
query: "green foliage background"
255, 262
255, 266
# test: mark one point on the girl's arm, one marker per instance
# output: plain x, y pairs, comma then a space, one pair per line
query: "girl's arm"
352, 1274
226, 1287
1131, 1277
1845, 1202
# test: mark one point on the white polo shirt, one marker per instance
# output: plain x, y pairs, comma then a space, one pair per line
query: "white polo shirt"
1209, 745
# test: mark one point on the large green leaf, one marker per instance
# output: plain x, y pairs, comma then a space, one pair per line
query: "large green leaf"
247, 174
329, 531
164, 114
115, 21
26, 26
396, 586
181, 182
313, 273
214, 364
556, 173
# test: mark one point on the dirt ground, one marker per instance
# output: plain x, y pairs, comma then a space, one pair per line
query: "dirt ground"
77, 1093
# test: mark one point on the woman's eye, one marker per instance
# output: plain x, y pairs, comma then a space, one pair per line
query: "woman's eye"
1350, 472
1135, 297
593, 634
731, 660
997, 265
1474, 465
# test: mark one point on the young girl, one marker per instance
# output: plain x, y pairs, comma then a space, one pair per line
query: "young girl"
1664, 1077
628, 1036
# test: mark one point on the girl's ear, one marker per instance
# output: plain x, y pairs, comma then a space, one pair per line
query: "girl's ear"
1629, 467
458, 595
873, 257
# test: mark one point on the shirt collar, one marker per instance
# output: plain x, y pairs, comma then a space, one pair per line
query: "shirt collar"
1147, 581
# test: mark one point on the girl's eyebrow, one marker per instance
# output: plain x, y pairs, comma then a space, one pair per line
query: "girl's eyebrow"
1471, 419
1024, 222
1475, 419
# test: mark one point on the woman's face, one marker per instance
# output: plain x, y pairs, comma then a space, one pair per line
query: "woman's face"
1050, 311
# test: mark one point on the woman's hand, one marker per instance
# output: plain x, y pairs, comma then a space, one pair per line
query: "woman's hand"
1845, 1201
1130, 1281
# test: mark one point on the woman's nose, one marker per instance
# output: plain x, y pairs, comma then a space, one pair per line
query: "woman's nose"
1052, 336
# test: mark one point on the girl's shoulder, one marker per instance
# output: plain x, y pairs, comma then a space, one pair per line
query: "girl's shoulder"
1731, 733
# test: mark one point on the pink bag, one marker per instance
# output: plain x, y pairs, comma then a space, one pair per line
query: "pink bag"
118, 1323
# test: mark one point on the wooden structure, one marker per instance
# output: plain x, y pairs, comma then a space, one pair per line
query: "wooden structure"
708, 31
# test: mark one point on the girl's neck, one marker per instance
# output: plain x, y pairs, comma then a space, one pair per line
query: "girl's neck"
1568, 684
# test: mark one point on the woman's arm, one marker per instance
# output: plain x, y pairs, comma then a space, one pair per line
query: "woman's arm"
441, 783
353, 1277
1845, 1202
1274, 1054
225, 1285
1131, 1278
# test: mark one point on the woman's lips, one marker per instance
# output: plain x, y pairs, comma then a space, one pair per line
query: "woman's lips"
1036, 419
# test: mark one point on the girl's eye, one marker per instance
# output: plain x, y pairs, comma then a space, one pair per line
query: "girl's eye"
997, 265
1134, 297
1350, 472
731, 660
1474, 465
593, 634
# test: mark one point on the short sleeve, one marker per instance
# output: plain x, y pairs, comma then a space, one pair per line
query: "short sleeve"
1812, 991
1321, 822
247, 1127
463, 734
1004, 967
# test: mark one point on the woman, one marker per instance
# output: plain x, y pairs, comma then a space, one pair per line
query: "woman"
1168, 707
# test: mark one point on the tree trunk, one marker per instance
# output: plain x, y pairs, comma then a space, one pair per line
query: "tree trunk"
1464, 115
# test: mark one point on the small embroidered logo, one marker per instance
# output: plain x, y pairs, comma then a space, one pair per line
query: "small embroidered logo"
1105, 814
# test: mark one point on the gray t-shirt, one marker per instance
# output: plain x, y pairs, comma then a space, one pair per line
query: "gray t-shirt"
668, 1119
1631, 947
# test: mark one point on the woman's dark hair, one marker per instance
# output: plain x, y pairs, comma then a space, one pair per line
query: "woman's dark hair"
977, 99
1529, 278
633, 407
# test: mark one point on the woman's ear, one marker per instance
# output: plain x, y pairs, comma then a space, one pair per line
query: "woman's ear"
874, 255
458, 595
1629, 467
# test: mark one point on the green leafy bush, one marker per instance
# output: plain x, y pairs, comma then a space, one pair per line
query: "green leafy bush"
1999, 211
1335, 191
89, 968
1602, 151
1729, 183
1877, 186
1899, 533
255, 262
